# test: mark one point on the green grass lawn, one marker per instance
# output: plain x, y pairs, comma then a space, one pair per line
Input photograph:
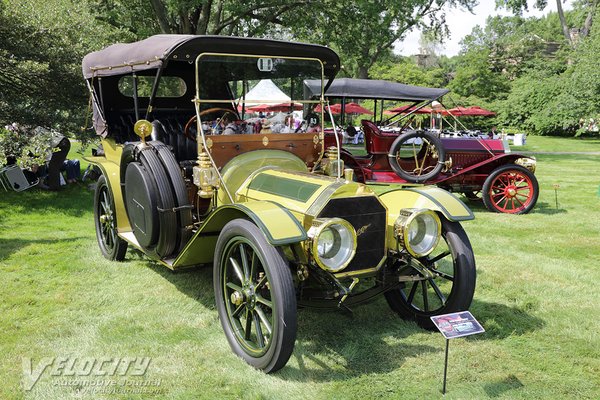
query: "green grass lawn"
558, 144
536, 297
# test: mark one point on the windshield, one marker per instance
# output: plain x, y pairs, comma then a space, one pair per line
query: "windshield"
255, 85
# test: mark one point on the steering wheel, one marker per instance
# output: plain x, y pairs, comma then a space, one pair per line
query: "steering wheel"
187, 130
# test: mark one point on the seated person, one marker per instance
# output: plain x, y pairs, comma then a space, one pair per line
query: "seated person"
73, 170
310, 124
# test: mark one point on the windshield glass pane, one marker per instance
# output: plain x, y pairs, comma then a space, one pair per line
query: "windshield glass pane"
255, 80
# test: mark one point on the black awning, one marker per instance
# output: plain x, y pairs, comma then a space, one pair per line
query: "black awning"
375, 89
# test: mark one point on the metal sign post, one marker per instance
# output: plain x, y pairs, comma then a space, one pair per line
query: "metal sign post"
453, 326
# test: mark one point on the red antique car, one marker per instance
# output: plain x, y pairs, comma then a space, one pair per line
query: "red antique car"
475, 165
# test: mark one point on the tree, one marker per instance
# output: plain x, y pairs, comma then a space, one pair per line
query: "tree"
200, 17
590, 6
41, 47
364, 32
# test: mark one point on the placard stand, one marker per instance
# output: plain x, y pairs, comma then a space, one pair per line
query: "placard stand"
453, 326
445, 366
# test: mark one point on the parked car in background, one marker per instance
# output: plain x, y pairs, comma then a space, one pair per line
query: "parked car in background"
191, 181
475, 165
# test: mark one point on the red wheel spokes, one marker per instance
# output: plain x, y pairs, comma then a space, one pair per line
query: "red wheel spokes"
506, 190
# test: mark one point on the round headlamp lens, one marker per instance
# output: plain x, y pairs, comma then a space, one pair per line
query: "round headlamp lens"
328, 243
418, 230
334, 244
423, 233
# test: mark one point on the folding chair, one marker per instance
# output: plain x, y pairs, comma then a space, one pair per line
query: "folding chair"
14, 177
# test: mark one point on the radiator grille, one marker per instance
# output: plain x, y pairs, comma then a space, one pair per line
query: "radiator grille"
369, 218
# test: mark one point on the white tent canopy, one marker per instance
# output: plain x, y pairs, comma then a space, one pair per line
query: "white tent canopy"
265, 91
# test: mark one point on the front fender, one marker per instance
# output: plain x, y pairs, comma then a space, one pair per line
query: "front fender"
430, 197
278, 224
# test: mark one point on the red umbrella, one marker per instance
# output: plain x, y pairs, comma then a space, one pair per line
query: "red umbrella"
258, 108
353, 108
335, 108
283, 107
473, 111
350, 108
407, 109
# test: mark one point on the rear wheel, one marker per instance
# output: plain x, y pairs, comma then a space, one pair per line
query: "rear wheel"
111, 245
255, 296
510, 189
474, 196
445, 279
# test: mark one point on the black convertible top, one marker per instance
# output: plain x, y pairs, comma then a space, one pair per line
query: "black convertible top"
375, 89
151, 53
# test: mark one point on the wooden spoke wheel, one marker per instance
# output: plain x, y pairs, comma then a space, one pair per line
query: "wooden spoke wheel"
445, 279
510, 189
111, 245
255, 296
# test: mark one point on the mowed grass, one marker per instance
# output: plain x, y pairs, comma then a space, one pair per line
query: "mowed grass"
536, 296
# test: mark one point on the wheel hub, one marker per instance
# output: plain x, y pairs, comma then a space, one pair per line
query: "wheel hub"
511, 191
246, 295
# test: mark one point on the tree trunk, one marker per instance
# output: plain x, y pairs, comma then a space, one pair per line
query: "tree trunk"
588, 21
161, 14
563, 22
204, 18
363, 72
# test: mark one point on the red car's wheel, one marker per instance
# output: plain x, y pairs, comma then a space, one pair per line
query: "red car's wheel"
510, 189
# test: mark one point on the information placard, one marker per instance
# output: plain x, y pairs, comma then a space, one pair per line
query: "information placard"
457, 324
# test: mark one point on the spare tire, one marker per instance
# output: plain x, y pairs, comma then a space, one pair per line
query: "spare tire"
184, 211
141, 203
422, 151
167, 235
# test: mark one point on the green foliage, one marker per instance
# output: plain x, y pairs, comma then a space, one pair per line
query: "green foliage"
363, 32
405, 70
41, 47
475, 77
25, 146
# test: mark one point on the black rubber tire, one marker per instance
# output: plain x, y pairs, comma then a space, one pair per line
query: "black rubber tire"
279, 291
167, 235
472, 196
111, 245
408, 175
530, 192
184, 215
459, 291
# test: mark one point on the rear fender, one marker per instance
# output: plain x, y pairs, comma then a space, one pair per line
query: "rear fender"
109, 165
278, 225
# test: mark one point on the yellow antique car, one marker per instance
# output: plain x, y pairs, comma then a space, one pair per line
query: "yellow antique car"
194, 175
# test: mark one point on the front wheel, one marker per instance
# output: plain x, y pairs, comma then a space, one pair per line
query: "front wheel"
510, 189
105, 218
445, 279
255, 296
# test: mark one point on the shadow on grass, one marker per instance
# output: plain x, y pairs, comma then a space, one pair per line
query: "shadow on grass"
10, 246
501, 321
73, 200
548, 209
507, 384
334, 346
